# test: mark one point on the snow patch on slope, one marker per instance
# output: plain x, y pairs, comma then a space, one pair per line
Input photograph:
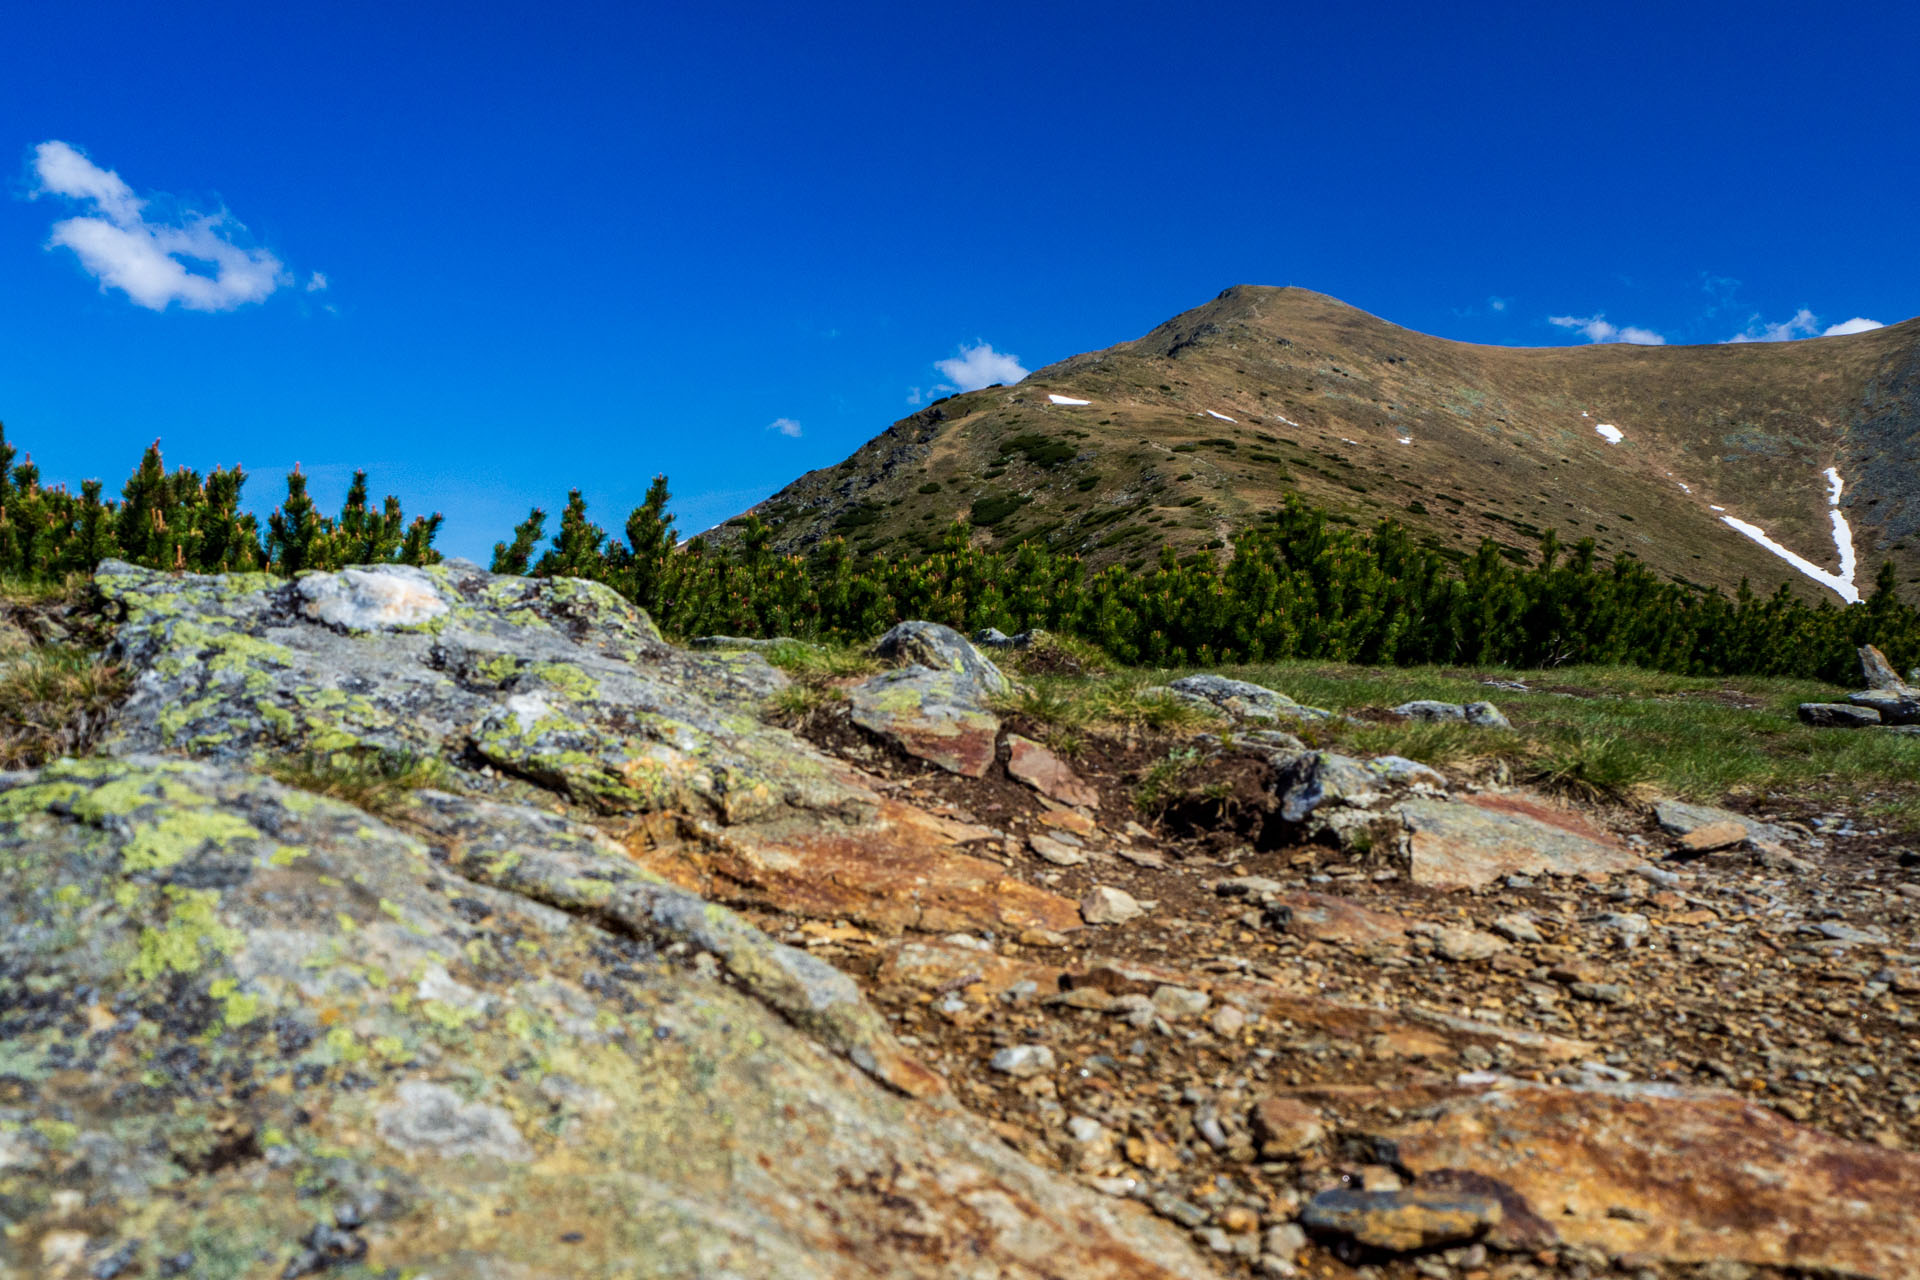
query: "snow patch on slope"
1223, 417
1066, 400
1842, 583
1610, 433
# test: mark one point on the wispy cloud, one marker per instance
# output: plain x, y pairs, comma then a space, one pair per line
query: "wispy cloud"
1498, 304
1802, 324
978, 366
1597, 328
785, 427
192, 258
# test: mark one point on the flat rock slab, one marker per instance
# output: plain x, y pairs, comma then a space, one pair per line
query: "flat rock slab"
1893, 707
1837, 715
1676, 1174
1039, 768
1472, 843
1325, 917
235, 1010
935, 715
1677, 818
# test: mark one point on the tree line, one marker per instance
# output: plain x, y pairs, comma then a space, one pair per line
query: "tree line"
1293, 585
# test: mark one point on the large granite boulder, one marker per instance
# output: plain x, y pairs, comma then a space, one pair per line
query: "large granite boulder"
251, 1031
935, 715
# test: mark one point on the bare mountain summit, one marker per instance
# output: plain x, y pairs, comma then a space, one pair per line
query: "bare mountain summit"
1785, 462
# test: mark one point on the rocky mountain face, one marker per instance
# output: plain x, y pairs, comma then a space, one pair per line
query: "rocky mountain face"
648, 986
1194, 430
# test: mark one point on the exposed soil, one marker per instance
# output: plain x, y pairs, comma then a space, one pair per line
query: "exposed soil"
1720, 976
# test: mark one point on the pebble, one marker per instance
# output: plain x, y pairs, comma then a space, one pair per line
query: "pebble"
1023, 1060
1058, 852
1227, 1021
1517, 928
1107, 905
1284, 1127
1460, 943
1175, 1003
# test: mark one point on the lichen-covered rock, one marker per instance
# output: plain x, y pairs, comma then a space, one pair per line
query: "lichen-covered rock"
1242, 700
556, 681
935, 715
249, 1031
1480, 714
1314, 786
939, 648
1401, 1221
1677, 818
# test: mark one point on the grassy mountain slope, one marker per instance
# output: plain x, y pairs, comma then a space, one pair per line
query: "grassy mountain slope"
1198, 427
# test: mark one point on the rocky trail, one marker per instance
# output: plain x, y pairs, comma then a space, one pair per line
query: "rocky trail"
646, 984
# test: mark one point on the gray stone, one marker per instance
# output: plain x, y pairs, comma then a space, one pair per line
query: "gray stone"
1837, 715
1879, 673
928, 644
1678, 818
1487, 716
1242, 700
1104, 904
1022, 1061
1428, 709
756, 643
1517, 928
1892, 706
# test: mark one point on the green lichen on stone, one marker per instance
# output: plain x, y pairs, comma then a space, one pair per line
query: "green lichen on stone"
192, 937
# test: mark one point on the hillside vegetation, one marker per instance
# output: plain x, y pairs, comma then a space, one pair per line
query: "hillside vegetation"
1298, 584
1199, 428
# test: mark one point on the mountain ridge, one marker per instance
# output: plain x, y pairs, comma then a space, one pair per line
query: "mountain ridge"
1194, 429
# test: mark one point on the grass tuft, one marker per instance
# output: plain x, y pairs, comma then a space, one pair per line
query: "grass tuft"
55, 701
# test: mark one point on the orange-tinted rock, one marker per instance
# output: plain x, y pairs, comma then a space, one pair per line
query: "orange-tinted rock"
897, 871
1473, 843
1678, 1174
1325, 917
1047, 773
1284, 1126
1715, 835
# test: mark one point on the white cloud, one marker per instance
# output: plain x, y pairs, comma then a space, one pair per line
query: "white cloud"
316, 282
152, 260
978, 366
1498, 304
1803, 324
786, 427
1597, 328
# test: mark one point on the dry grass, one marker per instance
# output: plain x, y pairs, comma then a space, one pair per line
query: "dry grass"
54, 701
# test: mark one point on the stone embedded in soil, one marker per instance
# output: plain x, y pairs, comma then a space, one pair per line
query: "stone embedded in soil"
1059, 853
1682, 1175
1047, 773
1837, 715
1284, 1127
941, 648
1479, 841
1462, 944
1713, 836
1022, 1061
935, 715
1325, 917
1402, 1221
1105, 904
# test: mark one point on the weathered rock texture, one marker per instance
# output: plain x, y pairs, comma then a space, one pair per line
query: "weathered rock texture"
247, 1028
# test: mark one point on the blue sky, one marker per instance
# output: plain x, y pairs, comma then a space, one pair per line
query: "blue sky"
576, 245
